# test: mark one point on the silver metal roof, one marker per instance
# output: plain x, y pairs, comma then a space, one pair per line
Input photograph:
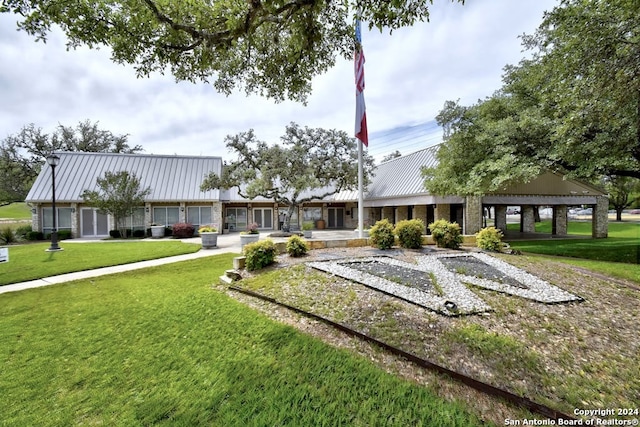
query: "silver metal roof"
402, 176
171, 178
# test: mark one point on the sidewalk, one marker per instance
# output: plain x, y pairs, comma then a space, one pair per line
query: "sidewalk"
227, 243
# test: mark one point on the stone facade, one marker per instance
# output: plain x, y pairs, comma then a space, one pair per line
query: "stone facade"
501, 218
527, 219
559, 221
600, 222
443, 212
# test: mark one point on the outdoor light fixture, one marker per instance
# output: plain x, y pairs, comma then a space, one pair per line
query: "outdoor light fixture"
53, 161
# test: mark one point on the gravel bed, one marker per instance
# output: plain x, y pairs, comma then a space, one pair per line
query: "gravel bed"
457, 298
449, 295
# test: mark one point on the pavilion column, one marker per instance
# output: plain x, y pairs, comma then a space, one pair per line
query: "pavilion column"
473, 215
527, 219
443, 212
559, 225
388, 213
402, 213
600, 218
501, 217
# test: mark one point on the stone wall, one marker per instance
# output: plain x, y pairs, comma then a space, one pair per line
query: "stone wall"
443, 212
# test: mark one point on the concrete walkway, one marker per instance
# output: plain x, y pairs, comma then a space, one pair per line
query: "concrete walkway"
227, 243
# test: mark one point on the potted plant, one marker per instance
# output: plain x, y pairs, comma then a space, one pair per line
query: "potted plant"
250, 235
157, 230
307, 226
209, 236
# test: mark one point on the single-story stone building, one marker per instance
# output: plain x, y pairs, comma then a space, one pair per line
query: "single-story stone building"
396, 192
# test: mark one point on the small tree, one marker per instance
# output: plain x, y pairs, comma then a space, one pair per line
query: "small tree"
620, 190
119, 193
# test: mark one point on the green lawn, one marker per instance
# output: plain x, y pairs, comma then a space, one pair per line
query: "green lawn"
29, 262
15, 211
159, 346
617, 256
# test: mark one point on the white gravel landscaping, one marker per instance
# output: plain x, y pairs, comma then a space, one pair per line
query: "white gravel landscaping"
448, 295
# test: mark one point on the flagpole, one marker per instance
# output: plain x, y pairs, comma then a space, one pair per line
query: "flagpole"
360, 193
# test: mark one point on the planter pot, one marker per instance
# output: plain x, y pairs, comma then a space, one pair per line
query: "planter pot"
157, 231
248, 238
320, 224
209, 239
307, 233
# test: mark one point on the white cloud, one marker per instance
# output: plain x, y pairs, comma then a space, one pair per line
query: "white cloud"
409, 76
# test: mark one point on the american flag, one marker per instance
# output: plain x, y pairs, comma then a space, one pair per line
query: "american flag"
361, 113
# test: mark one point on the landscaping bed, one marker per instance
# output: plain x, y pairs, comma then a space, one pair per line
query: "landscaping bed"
576, 355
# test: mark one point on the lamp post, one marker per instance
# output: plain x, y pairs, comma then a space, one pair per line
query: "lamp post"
53, 161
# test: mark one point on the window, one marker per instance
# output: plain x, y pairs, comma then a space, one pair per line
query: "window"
311, 214
135, 221
199, 215
263, 217
235, 219
166, 216
63, 218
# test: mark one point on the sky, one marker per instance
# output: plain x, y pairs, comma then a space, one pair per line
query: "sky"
459, 54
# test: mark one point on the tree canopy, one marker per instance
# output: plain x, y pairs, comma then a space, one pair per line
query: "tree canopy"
23, 154
573, 107
271, 48
309, 164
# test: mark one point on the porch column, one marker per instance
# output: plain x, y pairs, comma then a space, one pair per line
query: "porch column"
182, 215
527, 219
600, 218
420, 212
402, 213
472, 215
216, 216
559, 224
501, 217
443, 212
387, 212
35, 217
75, 220
148, 215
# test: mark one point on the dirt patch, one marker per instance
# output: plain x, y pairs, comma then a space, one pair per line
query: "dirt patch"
568, 356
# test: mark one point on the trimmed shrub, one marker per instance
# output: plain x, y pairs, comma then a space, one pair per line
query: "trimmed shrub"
409, 232
260, 254
182, 230
381, 234
115, 234
138, 233
7, 236
297, 246
34, 235
446, 234
64, 234
489, 239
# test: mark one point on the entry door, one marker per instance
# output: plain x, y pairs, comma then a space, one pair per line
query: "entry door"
263, 217
94, 223
336, 217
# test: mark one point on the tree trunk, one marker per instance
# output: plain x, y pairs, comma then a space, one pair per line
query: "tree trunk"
536, 213
619, 213
286, 226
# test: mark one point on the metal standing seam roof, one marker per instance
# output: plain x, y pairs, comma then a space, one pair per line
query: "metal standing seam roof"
171, 178
402, 176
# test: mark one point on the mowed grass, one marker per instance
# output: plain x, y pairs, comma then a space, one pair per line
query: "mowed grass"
31, 261
15, 211
616, 256
159, 346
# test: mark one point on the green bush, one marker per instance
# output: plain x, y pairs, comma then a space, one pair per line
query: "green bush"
114, 234
297, 246
138, 233
7, 236
409, 232
381, 234
446, 234
21, 232
260, 254
64, 234
34, 235
489, 239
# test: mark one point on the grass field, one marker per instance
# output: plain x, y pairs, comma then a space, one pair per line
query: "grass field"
160, 347
29, 262
16, 211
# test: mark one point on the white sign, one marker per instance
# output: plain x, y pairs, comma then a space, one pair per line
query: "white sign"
4, 254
